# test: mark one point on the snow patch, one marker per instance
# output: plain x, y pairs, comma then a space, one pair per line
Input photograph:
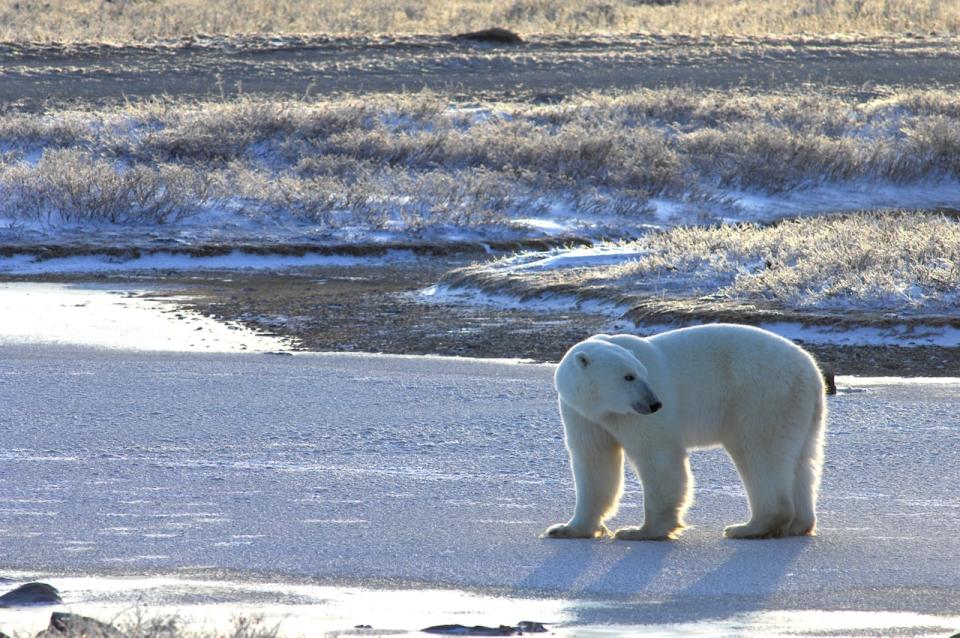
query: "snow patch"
235, 260
549, 215
598, 255
839, 197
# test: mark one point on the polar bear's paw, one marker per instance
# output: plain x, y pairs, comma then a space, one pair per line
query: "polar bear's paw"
646, 534
751, 531
565, 530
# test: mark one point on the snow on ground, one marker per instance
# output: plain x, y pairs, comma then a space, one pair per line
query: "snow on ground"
599, 255
558, 217
840, 198
379, 473
234, 260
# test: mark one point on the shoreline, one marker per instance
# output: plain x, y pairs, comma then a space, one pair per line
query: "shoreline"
376, 309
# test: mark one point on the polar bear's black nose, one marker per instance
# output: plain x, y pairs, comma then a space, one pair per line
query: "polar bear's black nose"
656, 405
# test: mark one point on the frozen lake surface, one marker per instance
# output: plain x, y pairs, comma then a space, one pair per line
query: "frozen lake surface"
118, 317
343, 477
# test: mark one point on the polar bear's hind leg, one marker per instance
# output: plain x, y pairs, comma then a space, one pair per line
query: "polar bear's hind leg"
769, 482
807, 481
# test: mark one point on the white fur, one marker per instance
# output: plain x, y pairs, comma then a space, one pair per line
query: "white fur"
756, 394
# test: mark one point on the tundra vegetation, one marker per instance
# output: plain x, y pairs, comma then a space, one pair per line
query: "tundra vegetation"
143, 20
419, 161
420, 165
887, 267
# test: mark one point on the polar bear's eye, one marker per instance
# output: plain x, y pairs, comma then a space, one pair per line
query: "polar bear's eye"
629, 377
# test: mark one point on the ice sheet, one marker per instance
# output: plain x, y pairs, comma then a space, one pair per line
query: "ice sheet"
115, 316
385, 473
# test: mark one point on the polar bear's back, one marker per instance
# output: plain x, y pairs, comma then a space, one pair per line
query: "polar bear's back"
741, 355
744, 343
724, 375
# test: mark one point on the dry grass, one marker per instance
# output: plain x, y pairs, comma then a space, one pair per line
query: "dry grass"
421, 161
889, 264
138, 20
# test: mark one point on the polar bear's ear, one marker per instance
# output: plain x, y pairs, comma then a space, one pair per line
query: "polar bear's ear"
582, 360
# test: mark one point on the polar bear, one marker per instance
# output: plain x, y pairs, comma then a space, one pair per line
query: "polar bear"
756, 394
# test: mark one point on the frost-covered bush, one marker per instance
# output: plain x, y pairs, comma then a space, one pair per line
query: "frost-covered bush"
72, 186
421, 161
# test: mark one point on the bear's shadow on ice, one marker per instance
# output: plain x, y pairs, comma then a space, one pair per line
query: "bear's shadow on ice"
568, 560
750, 575
639, 565
572, 562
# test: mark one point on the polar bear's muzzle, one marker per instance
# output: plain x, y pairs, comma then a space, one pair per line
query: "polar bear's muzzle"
650, 404
647, 408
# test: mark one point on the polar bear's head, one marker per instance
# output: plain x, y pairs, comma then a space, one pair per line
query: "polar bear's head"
597, 377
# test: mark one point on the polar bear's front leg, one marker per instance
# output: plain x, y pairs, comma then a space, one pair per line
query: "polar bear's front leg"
667, 489
596, 460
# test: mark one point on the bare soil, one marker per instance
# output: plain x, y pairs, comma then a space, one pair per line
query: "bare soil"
34, 76
378, 309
